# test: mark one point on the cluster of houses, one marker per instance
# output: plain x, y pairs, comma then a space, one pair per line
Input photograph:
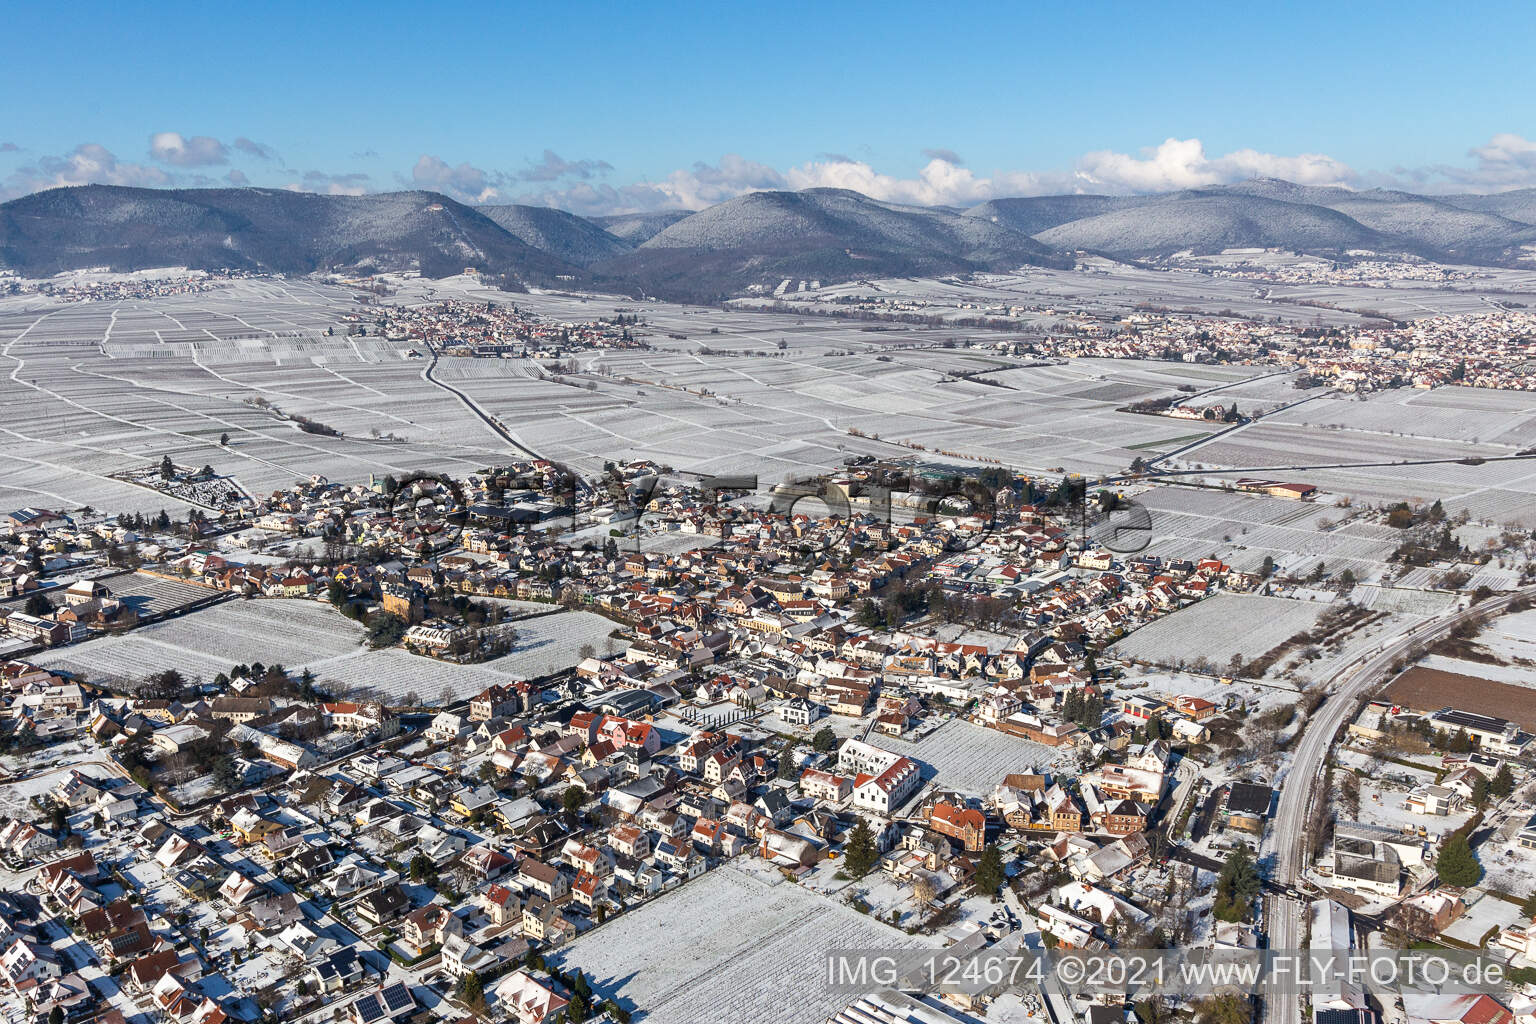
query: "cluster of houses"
459, 328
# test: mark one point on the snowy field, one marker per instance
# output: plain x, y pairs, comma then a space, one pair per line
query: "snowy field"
973, 759
544, 645
101, 387
1512, 637
299, 635
1387, 430
15, 796
293, 633
1242, 528
1170, 684
738, 944
1219, 627
1505, 652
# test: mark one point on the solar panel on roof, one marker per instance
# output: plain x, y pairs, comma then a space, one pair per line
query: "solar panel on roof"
368, 1009
397, 997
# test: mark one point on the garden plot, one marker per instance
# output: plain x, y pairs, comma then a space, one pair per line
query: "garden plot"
1381, 803
1168, 685
1218, 629
1485, 914
16, 796
959, 755
1507, 865
732, 945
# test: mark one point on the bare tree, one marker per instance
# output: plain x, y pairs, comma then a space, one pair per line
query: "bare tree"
924, 893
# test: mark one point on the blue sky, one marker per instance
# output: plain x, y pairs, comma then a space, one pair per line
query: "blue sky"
607, 107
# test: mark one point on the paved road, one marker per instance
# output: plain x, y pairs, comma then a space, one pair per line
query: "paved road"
491, 421
1304, 782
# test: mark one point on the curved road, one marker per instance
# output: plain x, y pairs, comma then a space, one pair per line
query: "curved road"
1304, 782
492, 422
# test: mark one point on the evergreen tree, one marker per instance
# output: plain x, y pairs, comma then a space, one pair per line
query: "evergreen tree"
1457, 865
1237, 885
1480, 790
860, 855
1072, 705
989, 871
1503, 782
472, 990
824, 740
786, 761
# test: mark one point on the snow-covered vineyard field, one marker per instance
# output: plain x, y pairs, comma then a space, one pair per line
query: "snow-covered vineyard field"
1393, 427
544, 645
1218, 628
804, 404
972, 759
103, 387
1110, 287
100, 388
274, 631
309, 635
150, 595
1241, 528
145, 594
114, 386
1473, 415
728, 946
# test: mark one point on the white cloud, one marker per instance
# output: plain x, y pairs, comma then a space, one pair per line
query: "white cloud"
255, 149
464, 182
1506, 161
706, 184
553, 167
87, 163
1183, 163
351, 184
198, 151
944, 181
